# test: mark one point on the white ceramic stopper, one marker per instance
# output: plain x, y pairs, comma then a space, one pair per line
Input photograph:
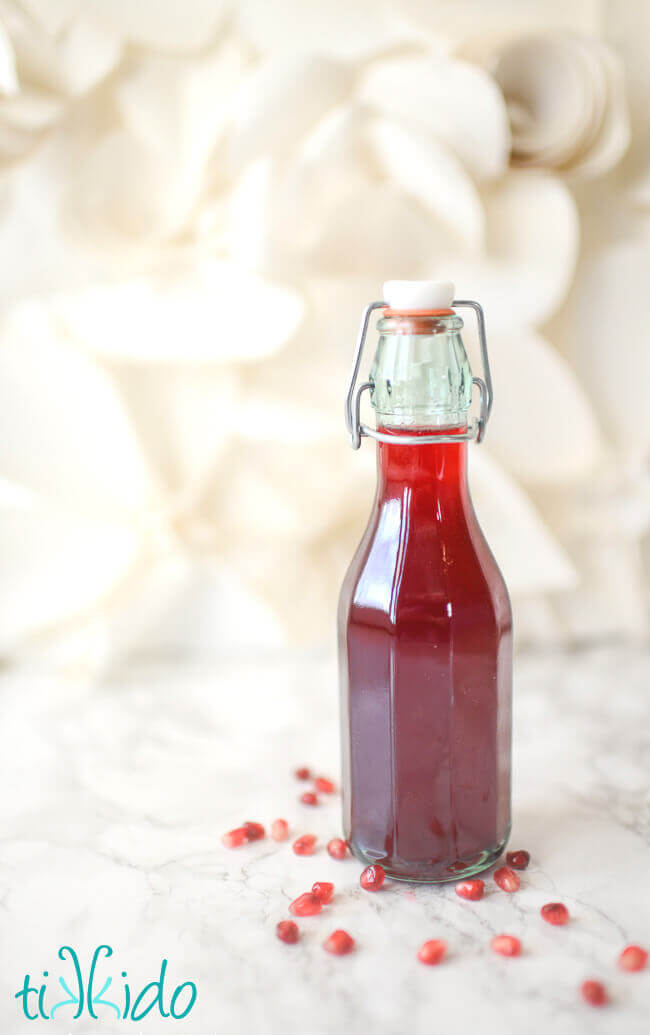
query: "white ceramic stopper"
418, 294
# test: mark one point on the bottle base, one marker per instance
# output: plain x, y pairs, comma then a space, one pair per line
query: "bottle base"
426, 873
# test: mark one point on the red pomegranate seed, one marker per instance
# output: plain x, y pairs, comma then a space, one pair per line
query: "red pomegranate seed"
323, 890
633, 957
472, 889
594, 993
507, 879
432, 952
339, 943
303, 774
337, 848
279, 830
254, 831
309, 798
287, 931
305, 844
324, 785
372, 878
306, 904
555, 913
519, 860
506, 945
235, 838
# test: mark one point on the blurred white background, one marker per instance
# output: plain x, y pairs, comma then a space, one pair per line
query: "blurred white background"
196, 201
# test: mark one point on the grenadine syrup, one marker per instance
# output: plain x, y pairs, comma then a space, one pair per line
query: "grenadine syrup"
425, 632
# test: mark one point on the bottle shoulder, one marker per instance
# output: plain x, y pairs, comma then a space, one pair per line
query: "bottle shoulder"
426, 563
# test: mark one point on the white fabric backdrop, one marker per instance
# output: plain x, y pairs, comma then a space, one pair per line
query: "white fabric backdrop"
195, 202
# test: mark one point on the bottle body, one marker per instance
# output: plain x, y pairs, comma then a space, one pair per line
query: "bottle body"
425, 649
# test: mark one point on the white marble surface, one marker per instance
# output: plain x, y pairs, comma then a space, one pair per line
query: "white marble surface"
116, 796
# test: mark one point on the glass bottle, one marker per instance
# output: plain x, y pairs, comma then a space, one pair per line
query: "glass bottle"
425, 627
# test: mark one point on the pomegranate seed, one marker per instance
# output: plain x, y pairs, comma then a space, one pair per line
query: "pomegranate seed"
309, 798
633, 957
254, 831
337, 848
305, 844
303, 774
594, 993
507, 879
506, 945
555, 913
279, 830
323, 890
372, 878
287, 931
518, 859
472, 889
306, 904
432, 952
235, 838
324, 785
339, 943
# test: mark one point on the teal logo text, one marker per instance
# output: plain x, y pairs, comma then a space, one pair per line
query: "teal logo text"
94, 994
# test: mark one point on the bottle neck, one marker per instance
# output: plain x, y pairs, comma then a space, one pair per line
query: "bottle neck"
432, 470
421, 377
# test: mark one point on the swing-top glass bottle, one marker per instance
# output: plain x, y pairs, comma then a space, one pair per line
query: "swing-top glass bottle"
425, 628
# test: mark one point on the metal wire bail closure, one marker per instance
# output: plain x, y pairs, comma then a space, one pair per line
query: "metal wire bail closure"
357, 430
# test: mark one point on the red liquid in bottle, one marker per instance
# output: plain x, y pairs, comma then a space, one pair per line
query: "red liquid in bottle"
425, 647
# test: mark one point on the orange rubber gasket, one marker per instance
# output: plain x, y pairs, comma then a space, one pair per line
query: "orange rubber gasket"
418, 312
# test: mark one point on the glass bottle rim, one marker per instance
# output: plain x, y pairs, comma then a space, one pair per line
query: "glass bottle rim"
419, 322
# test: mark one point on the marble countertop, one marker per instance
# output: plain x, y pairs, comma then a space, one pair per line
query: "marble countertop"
116, 795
